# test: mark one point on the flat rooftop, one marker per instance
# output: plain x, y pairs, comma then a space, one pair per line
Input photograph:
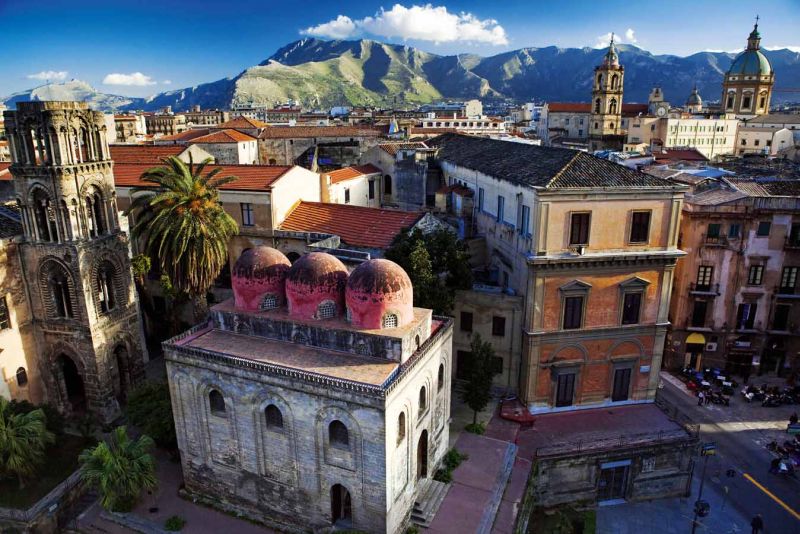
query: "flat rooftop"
598, 429
342, 365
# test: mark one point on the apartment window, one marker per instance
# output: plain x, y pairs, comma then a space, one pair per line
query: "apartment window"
763, 228
579, 228
788, 280
498, 326
480, 198
757, 142
5, 321
463, 359
501, 205
631, 308
346, 195
247, 214
713, 232
640, 227
794, 235
525, 220
734, 231
371, 189
699, 313
466, 321
781, 319
573, 312
755, 275
746, 316
565, 389
704, 275
622, 385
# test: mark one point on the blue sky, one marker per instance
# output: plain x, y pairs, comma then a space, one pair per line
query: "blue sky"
141, 47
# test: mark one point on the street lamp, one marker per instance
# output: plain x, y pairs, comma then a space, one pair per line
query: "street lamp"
701, 507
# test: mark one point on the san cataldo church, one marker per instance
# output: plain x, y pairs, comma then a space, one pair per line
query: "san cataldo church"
316, 395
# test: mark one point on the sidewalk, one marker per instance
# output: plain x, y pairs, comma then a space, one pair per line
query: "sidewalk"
673, 516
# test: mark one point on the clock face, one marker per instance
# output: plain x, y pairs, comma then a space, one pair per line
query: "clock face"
661, 112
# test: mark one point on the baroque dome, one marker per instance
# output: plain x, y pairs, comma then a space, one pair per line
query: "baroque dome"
258, 279
377, 289
750, 63
315, 286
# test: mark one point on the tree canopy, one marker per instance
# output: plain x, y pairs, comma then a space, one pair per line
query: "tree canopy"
481, 370
23, 440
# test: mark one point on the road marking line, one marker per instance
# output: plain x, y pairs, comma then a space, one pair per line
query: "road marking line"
772, 496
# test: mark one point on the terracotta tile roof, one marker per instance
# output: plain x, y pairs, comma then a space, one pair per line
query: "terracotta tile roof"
355, 225
767, 187
457, 189
146, 154
301, 132
428, 131
586, 107
223, 136
348, 173
679, 154
5, 175
186, 135
244, 123
124, 117
632, 110
392, 148
250, 177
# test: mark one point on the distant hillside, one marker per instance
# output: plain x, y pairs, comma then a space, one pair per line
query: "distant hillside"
75, 90
328, 73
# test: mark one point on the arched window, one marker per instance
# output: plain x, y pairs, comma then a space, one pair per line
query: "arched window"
217, 403
22, 377
440, 378
423, 400
401, 427
326, 310
274, 417
106, 276
612, 108
611, 125
731, 99
338, 435
390, 320
44, 216
268, 302
614, 81
599, 80
746, 102
58, 284
596, 126
387, 185
597, 105
94, 214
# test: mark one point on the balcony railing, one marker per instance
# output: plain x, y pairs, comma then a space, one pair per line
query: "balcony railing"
787, 290
715, 240
704, 289
792, 242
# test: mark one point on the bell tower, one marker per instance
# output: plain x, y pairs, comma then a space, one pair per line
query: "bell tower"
75, 257
605, 129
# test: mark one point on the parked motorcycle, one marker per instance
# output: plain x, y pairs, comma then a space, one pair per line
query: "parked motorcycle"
771, 401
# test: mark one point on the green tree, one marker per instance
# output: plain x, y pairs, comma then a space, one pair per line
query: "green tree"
181, 225
150, 409
23, 440
437, 263
481, 371
120, 469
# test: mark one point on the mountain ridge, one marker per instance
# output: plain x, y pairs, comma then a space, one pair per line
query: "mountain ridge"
321, 73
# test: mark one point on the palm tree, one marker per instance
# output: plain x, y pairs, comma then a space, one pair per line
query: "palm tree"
23, 440
182, 225
120, 469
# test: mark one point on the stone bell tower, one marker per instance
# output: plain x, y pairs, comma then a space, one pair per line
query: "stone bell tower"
605, 128
75, 257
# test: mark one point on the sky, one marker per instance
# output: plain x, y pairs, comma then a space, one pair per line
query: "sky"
143, 47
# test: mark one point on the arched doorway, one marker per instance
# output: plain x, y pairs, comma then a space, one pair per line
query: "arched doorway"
422, 455
73, 384
341, 506
120, 374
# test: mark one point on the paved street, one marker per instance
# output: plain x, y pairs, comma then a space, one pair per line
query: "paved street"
741, 432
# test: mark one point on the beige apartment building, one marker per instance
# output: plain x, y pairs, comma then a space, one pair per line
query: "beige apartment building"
711, 135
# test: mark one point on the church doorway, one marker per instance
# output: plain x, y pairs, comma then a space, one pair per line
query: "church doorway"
73, 384
422, 455
341, 506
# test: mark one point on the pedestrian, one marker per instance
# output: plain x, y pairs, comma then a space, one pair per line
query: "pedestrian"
793, 419
757, 523
700, 398
708, 397
746, 375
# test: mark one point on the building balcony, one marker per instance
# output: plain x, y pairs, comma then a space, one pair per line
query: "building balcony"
703, 290
786, 292
715, 240
791, 242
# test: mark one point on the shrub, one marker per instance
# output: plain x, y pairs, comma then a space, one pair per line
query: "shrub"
54, 419
150, 409
451, 460
475, 428
174, 523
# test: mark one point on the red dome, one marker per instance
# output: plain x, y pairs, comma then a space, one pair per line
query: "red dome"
376, 290
315, 287
258, 279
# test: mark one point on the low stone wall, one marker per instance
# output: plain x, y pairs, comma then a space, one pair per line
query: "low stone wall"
49, 513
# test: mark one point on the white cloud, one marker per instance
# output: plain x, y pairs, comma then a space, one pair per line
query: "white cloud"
790, 47
167, 82
629, 36
134, 78
423, 23
49, 75
341, 27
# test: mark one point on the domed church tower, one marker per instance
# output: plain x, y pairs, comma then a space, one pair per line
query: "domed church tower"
75, 257
747, 87
605, 129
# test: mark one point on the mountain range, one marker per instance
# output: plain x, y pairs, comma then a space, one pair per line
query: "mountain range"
321, 74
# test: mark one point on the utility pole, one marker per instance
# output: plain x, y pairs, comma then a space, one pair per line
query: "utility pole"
701, 507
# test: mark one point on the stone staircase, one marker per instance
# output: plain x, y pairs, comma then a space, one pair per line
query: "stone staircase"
429, 498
